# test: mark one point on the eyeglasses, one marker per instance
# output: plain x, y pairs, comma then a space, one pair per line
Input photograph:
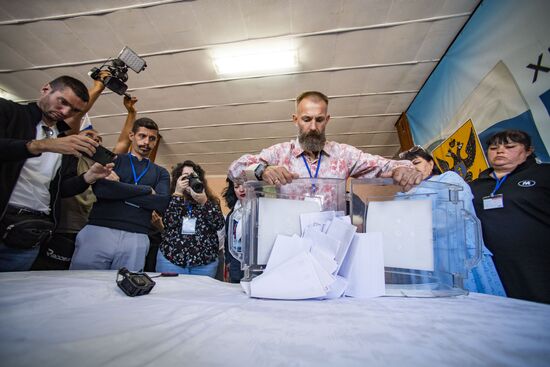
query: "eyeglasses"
48, 132
416, 148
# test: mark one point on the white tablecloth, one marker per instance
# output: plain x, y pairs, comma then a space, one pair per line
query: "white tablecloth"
81, 318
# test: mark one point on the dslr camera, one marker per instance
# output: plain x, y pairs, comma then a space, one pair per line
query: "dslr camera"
134, 284
195, 183
118, 68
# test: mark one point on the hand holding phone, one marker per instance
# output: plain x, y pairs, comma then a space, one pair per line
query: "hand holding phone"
103, 155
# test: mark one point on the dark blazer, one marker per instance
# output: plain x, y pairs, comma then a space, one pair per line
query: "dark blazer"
17, 127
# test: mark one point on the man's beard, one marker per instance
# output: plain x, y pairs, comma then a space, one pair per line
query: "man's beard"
313, 141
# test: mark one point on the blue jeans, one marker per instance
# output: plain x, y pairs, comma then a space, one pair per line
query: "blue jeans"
14, 259
163, 264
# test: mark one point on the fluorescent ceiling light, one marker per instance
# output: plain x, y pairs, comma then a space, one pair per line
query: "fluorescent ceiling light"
254, 62
6, 95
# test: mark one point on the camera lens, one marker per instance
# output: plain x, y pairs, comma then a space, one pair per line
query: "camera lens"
196, 184
138, 280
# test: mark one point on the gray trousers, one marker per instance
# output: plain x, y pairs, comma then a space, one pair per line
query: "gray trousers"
106, 248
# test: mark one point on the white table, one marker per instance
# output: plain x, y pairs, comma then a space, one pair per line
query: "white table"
81, 318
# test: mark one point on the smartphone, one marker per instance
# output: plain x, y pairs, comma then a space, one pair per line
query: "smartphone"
103, 155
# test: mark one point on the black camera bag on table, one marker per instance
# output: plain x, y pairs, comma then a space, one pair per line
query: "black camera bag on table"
25, 230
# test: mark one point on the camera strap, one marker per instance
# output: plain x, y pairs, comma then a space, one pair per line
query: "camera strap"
137, 178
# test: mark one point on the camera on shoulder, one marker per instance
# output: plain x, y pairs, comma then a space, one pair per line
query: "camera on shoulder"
134, 284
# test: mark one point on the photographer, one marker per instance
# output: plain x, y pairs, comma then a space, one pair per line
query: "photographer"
190, 241
57, 253
35, 170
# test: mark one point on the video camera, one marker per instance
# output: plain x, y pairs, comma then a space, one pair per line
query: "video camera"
118, 68
134, 284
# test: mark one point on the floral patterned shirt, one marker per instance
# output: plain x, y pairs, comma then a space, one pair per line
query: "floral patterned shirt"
196, 249
338, 161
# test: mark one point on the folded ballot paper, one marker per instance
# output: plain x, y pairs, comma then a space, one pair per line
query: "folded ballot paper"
323, 258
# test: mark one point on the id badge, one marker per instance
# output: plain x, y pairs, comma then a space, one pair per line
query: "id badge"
317, 199
493, 202
188, 225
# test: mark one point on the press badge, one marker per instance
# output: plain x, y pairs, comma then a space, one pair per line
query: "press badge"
493, 202
317, 199
188, 225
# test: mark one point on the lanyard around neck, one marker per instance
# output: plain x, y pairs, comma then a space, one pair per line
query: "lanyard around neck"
318, 165
137, 178
500, 181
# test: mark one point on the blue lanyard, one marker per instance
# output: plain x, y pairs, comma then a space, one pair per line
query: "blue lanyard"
136, 179
189, 207
318, 165
499, 183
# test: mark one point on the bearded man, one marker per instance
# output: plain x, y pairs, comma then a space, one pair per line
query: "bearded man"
311, 155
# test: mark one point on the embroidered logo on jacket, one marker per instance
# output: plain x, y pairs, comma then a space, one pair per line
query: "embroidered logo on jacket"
527, 183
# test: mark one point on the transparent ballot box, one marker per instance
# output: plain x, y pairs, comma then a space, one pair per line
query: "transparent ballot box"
430, 241
269, 210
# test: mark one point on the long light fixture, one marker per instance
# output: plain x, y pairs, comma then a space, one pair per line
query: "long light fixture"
255, 62
4, 94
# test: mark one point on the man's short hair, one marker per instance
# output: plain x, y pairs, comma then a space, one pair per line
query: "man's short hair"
146, 123
312, 94
76, 85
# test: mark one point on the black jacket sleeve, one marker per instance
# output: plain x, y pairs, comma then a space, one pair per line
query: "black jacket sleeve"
158, 201
71, 183
113, 190
13, 149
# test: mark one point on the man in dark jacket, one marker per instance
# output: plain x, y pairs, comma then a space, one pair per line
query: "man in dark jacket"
33, 173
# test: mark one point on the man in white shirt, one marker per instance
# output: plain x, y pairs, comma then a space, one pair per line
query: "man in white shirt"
34, 175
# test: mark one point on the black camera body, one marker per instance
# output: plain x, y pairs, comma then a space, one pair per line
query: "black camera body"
115, 82
118, 68
195, 183
134, 284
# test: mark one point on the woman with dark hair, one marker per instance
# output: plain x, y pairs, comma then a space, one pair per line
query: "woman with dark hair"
190, 241
483, 278
512, 199
233, 194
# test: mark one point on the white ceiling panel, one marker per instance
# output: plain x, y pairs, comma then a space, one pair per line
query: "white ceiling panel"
347, 49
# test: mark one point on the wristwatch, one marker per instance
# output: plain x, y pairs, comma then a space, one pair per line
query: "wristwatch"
259, 171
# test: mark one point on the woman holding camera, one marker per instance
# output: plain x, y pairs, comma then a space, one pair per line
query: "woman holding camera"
190, 241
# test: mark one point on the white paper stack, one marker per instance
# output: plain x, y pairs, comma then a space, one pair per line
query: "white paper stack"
310, 266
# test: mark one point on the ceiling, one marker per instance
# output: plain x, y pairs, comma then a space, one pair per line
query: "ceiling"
370, 57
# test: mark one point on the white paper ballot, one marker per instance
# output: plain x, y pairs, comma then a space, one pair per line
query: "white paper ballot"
341, 230
279, 216
406, 226
286, 247
325, 278
328, 263
323, 242
315, 220
294, 279
336, 289
363, 266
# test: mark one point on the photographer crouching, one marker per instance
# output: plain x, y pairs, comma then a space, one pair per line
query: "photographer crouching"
190, 241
